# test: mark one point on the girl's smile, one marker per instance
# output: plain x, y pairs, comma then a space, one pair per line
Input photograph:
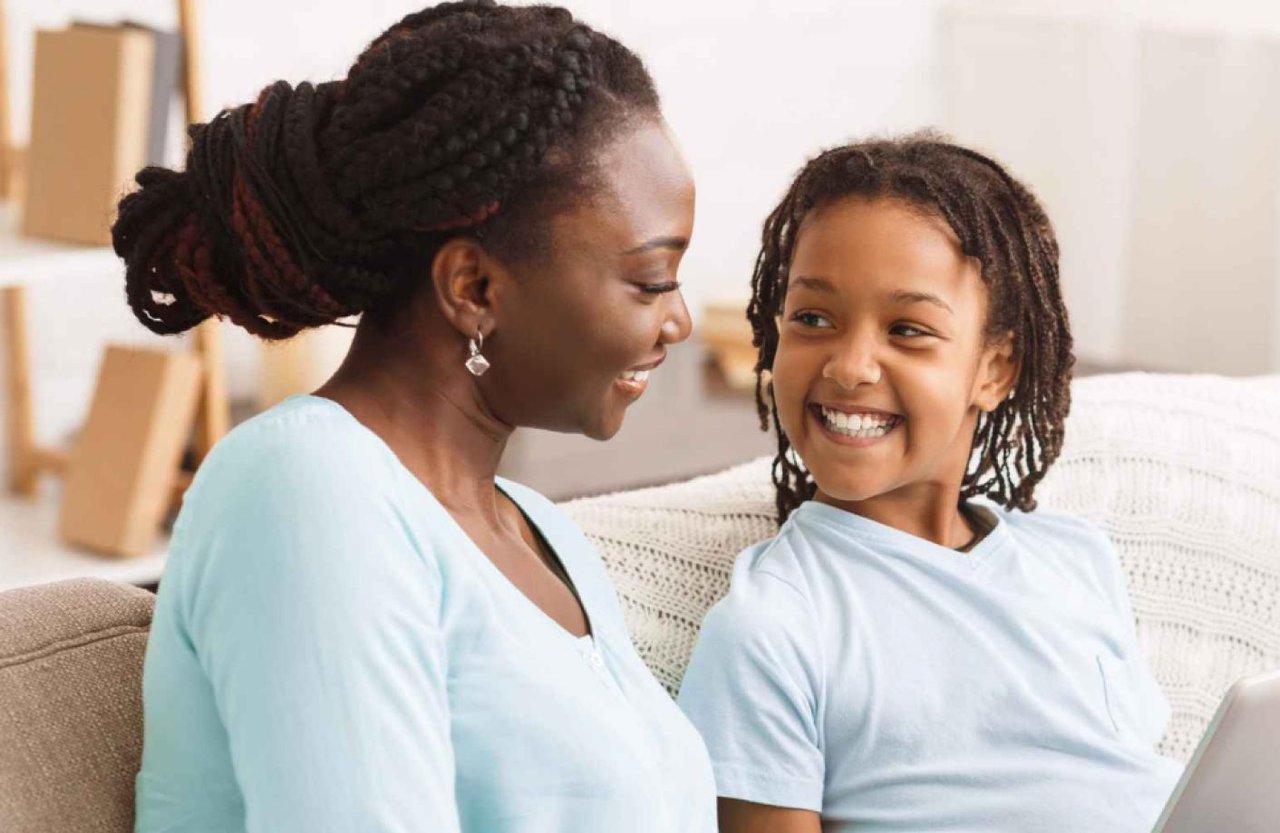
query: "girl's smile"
854, 426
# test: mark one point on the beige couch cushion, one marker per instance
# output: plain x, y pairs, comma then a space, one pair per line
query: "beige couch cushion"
71, 705
1182, 471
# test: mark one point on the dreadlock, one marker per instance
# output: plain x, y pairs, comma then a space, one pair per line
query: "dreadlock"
1001, 225
319, 202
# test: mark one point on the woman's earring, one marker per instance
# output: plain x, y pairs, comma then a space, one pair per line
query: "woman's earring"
477, 363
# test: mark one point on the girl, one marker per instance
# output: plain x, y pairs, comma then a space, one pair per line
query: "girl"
917, 649
362, 628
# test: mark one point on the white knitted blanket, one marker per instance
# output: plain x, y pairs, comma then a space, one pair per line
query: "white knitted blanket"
1182, 471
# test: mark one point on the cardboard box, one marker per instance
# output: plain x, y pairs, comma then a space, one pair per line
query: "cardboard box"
90, 125
121, 475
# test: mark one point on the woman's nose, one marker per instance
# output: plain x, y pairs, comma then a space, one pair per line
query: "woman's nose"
678, 325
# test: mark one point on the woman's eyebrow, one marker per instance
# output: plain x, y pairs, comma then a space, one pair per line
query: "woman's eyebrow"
679, 244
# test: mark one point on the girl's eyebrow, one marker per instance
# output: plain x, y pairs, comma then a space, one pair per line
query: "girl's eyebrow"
905, 296
809, 282
901, 296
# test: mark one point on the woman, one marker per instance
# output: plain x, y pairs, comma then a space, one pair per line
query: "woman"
362, 628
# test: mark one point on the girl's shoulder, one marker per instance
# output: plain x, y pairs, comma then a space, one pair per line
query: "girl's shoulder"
770, 585
1078, 546
1053, 526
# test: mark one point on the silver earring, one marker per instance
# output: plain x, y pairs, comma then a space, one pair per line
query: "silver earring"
477, 363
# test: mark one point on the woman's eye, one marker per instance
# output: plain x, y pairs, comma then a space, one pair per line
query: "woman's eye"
660, 288
811, 319
908, 331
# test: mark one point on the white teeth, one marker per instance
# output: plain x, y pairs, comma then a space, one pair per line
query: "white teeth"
862, 426
635, 376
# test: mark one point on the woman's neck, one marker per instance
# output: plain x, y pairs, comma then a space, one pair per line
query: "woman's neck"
429, 415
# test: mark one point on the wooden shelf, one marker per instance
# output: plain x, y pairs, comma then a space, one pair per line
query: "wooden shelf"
28, 261
31, 552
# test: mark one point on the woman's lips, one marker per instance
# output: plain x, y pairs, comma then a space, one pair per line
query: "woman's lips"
634, 381
634, 385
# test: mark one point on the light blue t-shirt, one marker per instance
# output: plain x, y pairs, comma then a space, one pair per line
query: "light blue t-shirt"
331, 652
893, 684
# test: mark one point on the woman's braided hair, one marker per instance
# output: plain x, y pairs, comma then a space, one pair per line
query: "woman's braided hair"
318, 202
1001, 225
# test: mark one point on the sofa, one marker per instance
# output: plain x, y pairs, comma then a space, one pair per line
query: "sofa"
1182, 471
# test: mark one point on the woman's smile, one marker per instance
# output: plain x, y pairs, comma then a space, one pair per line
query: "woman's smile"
635, 381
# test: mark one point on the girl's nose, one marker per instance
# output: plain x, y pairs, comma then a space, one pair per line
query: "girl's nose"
853, 365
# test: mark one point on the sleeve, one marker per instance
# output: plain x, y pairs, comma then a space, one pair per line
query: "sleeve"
752, 691
316, 619
1152, 712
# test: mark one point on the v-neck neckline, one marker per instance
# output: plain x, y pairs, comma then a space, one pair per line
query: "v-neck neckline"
496, 576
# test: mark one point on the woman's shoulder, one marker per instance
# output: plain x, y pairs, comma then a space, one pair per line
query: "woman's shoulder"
303, 461
299, 494
303, 440
296, 426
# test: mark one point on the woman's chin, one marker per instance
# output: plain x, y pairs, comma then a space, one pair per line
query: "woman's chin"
606, 425
606, 422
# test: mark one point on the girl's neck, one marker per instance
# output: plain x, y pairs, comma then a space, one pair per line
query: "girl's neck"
932, 514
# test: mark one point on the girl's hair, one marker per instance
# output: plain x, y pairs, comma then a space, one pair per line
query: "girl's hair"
322, 201
1000, 224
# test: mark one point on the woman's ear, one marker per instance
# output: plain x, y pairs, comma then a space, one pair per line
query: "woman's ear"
997, 373
463, 289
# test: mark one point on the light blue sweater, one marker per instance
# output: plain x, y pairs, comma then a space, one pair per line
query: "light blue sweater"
330, 652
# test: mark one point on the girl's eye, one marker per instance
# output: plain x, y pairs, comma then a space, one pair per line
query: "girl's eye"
811, 319
908, 331
660, 288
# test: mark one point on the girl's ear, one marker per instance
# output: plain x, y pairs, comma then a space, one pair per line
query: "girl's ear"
997, 373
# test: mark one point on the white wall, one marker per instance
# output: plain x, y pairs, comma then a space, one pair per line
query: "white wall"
1152, 134
755, 88
752, 88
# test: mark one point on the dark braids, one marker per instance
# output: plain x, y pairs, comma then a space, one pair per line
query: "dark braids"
322, 201
999, 223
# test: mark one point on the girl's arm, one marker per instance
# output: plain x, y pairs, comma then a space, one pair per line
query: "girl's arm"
752, 691
748, 817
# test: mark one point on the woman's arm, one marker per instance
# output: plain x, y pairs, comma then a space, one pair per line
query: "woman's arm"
316, 619
748, 817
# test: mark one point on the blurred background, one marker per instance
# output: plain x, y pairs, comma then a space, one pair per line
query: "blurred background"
1151, 131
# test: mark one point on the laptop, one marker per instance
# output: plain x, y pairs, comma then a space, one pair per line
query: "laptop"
1232, 784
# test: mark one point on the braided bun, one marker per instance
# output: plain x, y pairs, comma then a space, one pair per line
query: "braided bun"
318, 202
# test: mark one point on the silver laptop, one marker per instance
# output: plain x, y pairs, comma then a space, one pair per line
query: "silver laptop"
1232, 784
